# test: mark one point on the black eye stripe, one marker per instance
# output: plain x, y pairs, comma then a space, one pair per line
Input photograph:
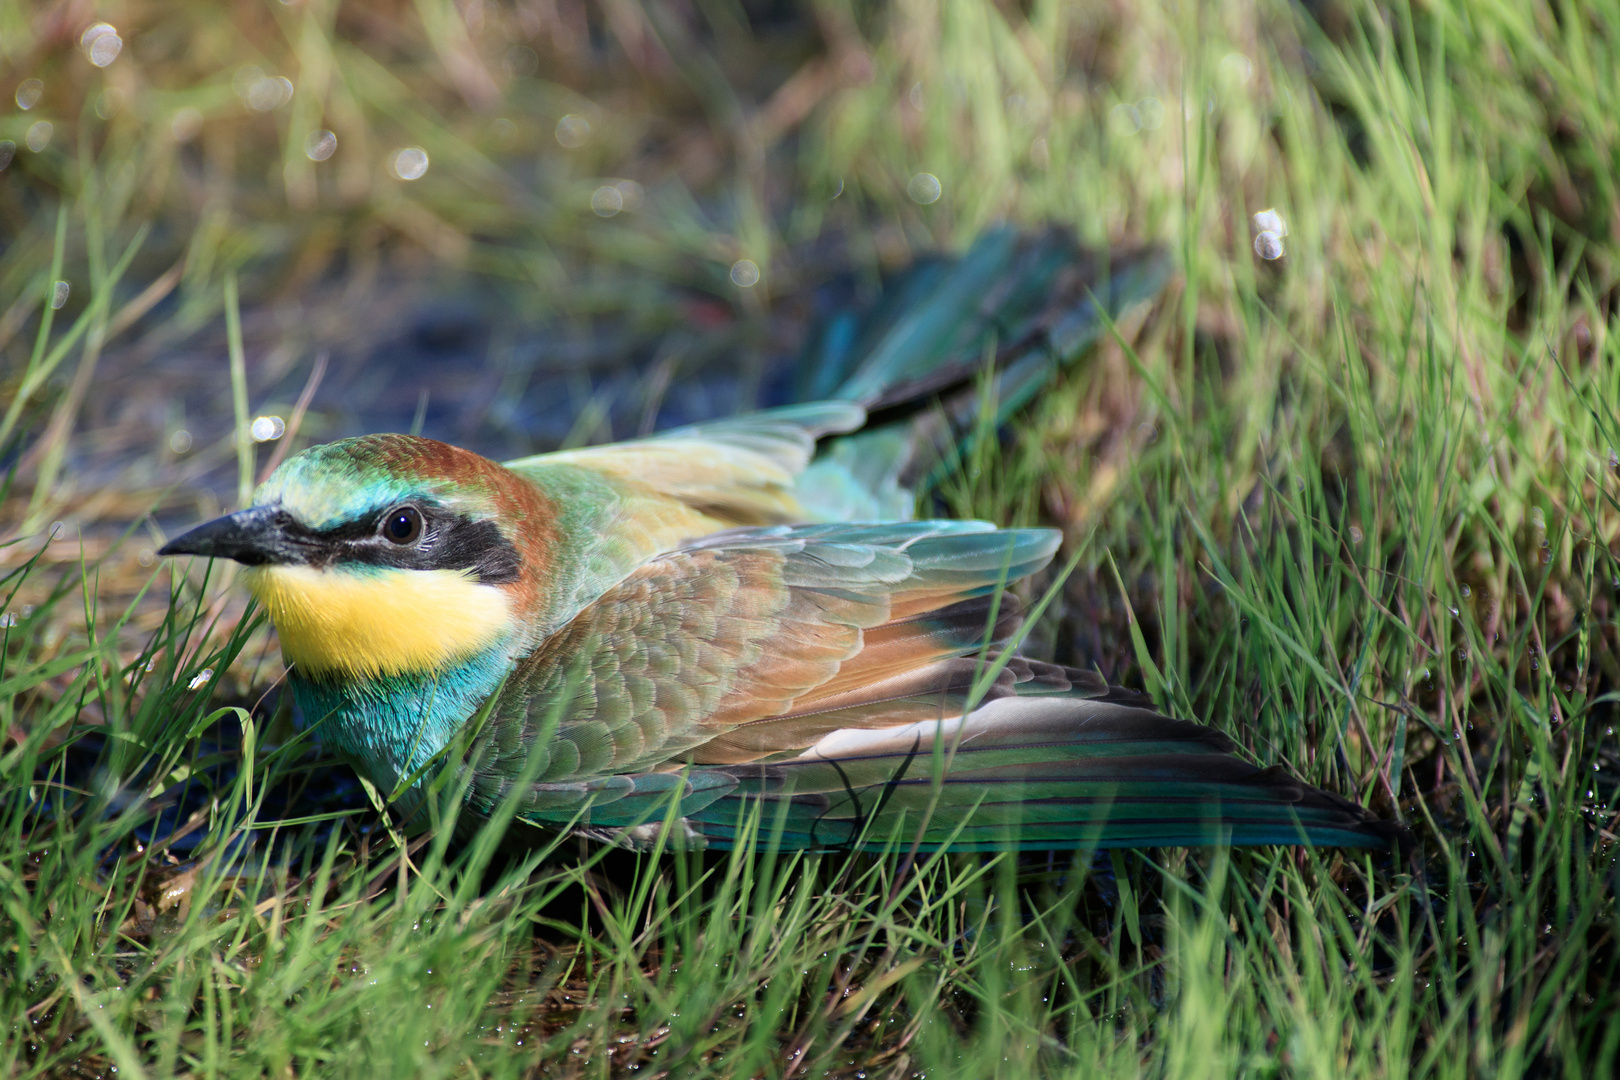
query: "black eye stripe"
447, 541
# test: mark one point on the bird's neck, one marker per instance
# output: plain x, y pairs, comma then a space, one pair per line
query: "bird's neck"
390, 727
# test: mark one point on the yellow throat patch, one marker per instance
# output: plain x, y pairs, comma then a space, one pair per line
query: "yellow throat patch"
378, 622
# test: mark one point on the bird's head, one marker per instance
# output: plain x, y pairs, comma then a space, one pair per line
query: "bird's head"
384, 555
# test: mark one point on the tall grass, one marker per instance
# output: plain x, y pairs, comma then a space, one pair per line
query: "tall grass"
1356, 506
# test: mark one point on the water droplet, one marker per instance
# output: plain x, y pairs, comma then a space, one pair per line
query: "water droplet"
1268, 245
1268, 220
838, 188
924, 188
60, 294
269, 93
180, 441
267, 428
8, 620
39, 135
101, 44
632, 193
572, 131
8, 150
320, 145
29, 91
745, 273
607, 200
146, 557
410, 163
1466, 591
1150, 114
1356, 535
1237, 68
521, 62
201, 679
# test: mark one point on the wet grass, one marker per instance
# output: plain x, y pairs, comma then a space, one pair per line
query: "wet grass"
1357, 506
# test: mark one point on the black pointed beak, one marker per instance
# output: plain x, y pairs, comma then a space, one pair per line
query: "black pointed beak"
254, 537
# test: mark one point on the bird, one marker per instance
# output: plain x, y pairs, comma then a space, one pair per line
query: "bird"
715, 632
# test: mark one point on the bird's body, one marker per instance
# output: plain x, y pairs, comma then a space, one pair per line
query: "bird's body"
667, 620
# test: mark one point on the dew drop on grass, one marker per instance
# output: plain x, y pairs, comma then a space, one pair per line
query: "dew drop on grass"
745, 273
180, 441
411, 163
201, 680
632, 193
1237, 67
269, 94
1466, 591
59, 295
924, 188
101, 44
267, 428
29, 91
521, 62
1268, 245
39, 135
320, 145
607, 201
1268, 220
572, 131
1356, 535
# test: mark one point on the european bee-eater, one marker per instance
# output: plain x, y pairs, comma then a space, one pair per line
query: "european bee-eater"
666, 619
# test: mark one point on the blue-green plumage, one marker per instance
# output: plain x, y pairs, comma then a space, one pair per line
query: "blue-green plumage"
393, 725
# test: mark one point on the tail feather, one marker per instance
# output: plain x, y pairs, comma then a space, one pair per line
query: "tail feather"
1035, 773
1035, 300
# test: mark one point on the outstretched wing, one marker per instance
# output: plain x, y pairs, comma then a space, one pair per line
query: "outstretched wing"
750, 645
738, 471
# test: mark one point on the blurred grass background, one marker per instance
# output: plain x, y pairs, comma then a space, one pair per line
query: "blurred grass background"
1356, 505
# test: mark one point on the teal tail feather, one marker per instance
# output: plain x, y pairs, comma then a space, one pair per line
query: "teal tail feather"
1029, 303
1034, 773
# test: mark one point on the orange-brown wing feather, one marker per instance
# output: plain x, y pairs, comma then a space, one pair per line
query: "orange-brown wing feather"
755, 642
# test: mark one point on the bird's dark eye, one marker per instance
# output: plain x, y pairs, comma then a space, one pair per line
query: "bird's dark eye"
403, 524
